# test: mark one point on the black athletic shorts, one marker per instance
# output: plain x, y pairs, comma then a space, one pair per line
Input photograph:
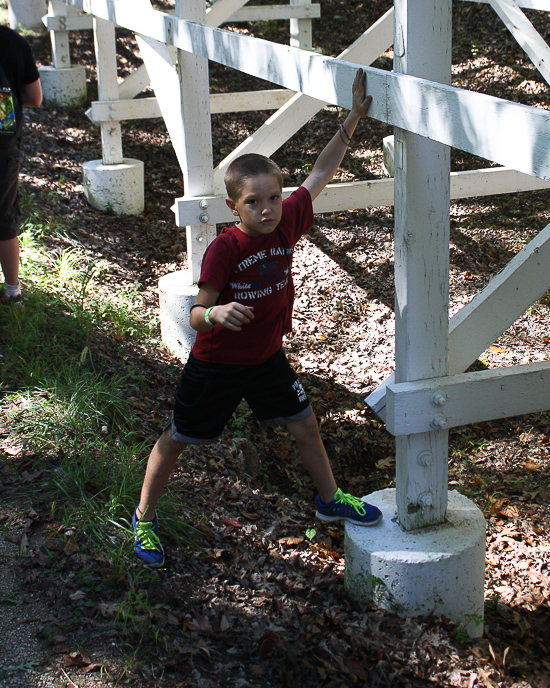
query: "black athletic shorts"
209, 393
10, 212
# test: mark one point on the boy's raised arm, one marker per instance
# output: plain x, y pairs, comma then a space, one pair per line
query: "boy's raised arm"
333, 153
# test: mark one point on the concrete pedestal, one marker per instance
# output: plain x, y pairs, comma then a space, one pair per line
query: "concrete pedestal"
177, 294
63, 87
115, 187
439, 569
27, 13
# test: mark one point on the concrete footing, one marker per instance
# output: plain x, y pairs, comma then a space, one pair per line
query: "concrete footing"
118, 188
177, 294
64, 87
437, 570
27, 14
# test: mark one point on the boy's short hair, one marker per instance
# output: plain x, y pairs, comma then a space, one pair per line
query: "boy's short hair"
245, 167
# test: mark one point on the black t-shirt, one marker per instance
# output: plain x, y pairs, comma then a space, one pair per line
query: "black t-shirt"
17, 61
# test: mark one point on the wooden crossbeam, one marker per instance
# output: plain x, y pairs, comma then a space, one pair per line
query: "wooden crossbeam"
148, 108
507, 133
298, 111
360, 195
447, 402
525, 34
478, 324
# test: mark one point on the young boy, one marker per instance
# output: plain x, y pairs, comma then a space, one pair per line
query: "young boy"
242, 311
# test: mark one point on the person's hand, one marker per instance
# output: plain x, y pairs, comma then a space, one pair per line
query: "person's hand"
360, 103
232, 316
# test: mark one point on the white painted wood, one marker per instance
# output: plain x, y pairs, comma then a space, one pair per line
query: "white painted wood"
525, 34
543, 5
478, 324
134, 83
301, 35
222, 10
252, 13
107, 86
61, 55
77, 22
148, 108
441, 113
195, 108
300, 109
371, 194
418, 407
422, 201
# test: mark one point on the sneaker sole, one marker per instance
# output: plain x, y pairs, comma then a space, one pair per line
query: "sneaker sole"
323, 517
150, 565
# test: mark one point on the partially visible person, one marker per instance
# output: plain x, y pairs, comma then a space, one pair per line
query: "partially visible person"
19, 88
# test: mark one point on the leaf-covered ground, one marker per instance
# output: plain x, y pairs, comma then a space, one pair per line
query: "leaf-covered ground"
263, 603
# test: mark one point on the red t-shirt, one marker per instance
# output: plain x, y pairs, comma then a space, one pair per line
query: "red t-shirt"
254, 271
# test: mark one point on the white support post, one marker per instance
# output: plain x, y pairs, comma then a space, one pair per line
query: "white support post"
301, 35
26, 13
421, 565
62, 84
107, 88
178, 290
113, 183
61, 55
422, 47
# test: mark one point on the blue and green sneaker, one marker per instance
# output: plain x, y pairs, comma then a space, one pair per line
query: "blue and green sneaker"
147, 544
346, 507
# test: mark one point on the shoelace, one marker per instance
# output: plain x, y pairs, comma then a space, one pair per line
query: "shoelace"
146, 536
354, 502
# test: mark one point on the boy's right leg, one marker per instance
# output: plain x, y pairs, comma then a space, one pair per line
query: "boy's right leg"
162, 460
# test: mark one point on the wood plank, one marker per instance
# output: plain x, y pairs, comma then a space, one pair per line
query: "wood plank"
417, 407
73, 23
299, 110
61, 54
107, 86
222, 10
371, 194
478, 324
148, 108
525, 34
542, 5
441, 113
252, 13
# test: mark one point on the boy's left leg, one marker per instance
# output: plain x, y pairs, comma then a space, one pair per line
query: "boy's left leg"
314, 455
332, 503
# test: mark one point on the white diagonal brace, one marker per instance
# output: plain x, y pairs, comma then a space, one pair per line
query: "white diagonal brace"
300, 109
491, 312
525, 34
222, 10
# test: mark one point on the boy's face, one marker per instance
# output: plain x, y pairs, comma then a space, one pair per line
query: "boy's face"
260, 205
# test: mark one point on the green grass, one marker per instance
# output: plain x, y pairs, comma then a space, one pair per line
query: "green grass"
70, 405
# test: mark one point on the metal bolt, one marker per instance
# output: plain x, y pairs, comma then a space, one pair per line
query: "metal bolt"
439, 422
425, 458
425, 499
203, 204
204, 218
438, 399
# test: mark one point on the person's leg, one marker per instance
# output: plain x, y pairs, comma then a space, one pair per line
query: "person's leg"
313, 455
9, 260
162, 460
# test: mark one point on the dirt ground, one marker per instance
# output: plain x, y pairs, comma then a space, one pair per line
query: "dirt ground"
263, 604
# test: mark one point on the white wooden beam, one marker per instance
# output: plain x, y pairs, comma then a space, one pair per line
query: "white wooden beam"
473, 122
478, 324
252, 13
107, 86
542, 5
61, 54
369, 194
525, 34
418, 407
148, 108
74, 22
300, 109
222, 10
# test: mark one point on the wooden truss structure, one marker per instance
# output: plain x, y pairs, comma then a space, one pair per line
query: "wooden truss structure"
430, 391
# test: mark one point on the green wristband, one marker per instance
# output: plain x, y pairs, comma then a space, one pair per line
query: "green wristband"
206, 314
